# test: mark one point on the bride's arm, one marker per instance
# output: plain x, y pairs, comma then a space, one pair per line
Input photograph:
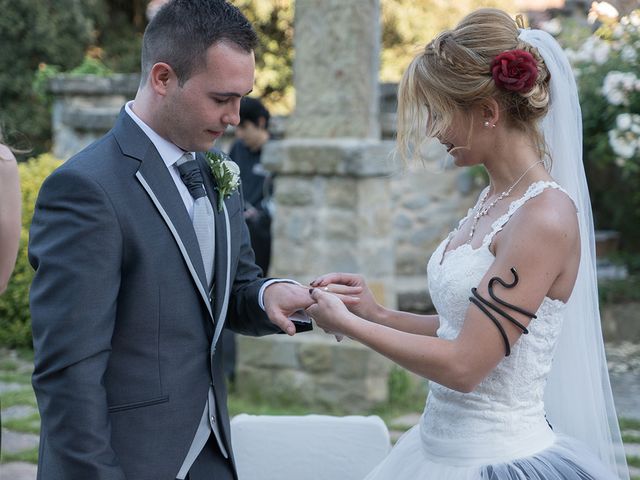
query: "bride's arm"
540, 246
352, 289
409, 322
10, 216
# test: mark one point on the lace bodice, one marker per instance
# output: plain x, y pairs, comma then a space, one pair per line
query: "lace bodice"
510, 400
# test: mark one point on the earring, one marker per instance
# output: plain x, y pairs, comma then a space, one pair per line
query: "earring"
487, 125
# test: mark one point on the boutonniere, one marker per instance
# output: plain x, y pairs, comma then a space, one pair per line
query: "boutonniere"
226, 174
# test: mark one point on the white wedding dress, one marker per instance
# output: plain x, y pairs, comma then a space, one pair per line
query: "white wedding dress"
498, 431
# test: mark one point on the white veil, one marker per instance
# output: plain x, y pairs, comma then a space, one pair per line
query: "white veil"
578, 396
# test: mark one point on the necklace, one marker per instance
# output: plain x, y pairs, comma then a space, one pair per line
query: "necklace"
482, 210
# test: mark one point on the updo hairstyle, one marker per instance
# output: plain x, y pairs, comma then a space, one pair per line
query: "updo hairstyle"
453, 73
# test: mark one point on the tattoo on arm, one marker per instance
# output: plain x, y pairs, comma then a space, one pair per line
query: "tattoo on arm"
484, 305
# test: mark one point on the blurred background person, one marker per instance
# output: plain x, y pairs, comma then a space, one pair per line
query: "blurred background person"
251, 135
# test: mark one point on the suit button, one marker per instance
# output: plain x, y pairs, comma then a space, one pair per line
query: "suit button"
213, 420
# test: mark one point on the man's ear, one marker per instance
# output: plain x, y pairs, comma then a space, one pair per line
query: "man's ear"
262, 123
162, 77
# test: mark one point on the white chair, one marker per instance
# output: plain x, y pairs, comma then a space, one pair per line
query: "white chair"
309, 447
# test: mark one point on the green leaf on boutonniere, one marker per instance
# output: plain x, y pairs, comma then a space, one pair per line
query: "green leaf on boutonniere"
226, 174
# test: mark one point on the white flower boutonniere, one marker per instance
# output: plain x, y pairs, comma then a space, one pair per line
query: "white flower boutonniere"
226, 173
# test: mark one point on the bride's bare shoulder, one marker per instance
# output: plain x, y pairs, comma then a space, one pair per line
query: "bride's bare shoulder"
549, 217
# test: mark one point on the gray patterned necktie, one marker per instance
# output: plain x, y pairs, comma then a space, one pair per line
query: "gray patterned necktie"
203, 219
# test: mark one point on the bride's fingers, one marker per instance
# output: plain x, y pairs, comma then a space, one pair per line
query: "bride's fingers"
323, 280
338, 289
337, 278
349, 300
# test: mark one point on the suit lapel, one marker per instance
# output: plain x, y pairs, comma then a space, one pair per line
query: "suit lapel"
157, 182
222, 262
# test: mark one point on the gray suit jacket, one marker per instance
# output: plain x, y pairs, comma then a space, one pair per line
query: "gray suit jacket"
122, 323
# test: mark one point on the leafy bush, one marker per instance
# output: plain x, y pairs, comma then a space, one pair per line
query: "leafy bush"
33, 32
606, 66
15, 320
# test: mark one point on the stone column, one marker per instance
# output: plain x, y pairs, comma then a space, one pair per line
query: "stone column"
333, 196
337, 50
85, 108
333, 205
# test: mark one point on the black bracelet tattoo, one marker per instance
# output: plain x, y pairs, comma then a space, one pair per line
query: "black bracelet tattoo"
482, 303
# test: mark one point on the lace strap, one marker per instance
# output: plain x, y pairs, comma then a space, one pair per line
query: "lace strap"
534, 190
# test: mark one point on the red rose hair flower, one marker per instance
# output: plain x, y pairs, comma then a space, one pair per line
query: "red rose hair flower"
515, 70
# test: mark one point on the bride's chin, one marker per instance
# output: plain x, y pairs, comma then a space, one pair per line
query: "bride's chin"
457, 160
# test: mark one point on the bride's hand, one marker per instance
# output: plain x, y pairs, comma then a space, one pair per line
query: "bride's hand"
352, 289
329, 312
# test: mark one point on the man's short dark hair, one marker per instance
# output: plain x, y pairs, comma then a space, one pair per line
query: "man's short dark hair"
180, 33
252, 110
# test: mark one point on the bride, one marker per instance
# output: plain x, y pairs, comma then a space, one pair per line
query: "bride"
519, 387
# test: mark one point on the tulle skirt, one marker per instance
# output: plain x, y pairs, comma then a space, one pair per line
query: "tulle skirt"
415, 457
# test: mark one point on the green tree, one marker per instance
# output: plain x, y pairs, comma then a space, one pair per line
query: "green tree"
32, 33
273, 21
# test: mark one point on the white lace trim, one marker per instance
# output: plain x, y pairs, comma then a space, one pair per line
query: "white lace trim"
534, 190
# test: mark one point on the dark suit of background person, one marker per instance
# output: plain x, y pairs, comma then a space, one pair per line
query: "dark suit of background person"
252, 134
125, 334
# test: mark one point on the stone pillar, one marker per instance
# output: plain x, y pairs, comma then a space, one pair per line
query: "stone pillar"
333, 190
85, 108
333, 204
337, 50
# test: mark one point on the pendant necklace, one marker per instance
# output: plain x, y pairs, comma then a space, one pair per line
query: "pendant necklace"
483, 210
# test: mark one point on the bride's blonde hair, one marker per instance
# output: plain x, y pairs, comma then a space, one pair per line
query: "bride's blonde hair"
453, 73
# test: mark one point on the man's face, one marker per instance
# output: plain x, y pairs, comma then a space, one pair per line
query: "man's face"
195, 114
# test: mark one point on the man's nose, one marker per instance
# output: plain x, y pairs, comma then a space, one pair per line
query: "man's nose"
232, 114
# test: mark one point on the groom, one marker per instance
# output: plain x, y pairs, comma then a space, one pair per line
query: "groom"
130, 296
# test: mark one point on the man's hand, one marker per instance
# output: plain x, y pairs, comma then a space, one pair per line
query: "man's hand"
283, 299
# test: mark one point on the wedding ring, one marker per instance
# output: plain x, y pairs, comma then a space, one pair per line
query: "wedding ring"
326, 289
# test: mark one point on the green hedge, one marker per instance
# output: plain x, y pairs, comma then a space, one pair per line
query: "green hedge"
15, 320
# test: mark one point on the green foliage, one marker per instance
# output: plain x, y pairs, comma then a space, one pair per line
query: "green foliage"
33, 32
15, 321
606, 64
405, 392
614, 292
27, 456
273, 21
89, 66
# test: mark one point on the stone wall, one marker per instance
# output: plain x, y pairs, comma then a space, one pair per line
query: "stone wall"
85, 108
311, 370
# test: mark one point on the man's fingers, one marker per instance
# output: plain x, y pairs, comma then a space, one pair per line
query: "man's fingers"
284, 323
